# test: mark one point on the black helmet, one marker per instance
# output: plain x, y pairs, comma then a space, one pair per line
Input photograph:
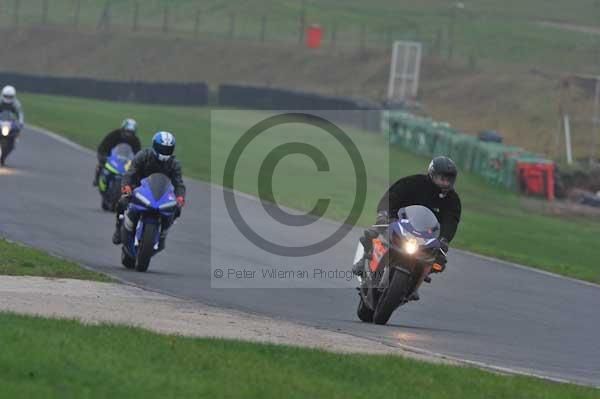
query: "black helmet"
442, 172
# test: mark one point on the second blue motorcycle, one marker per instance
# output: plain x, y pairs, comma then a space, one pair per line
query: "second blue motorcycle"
154, 206
109, 182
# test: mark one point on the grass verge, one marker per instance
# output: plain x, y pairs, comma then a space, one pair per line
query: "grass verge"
19, 260
495, 222
59, 358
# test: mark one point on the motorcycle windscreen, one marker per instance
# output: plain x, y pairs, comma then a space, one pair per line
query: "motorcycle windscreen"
159, 185
123, 152
421, 219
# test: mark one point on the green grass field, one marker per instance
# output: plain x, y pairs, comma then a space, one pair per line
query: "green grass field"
500, 33
19, 260
494, 223
59, 358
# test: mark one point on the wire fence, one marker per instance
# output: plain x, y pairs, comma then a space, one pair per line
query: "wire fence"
452, 34
194, 21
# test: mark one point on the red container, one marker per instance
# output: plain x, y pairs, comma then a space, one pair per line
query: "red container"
536, 178
314, 35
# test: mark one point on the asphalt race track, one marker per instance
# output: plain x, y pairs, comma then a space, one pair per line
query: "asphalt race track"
479, 310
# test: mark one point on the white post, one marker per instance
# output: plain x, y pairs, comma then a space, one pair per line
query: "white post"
404, 70
404, 73
416, 77
568, 140
393, 73
595, 122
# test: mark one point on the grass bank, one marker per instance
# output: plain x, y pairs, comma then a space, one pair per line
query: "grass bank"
20, 260
58, 358
495, 222
500, 34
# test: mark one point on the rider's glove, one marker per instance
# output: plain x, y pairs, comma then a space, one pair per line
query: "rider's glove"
126, 190
383, 217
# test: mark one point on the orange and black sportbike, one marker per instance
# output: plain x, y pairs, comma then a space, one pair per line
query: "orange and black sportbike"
403, 254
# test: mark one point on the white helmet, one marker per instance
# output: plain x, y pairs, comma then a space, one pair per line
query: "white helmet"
8, 94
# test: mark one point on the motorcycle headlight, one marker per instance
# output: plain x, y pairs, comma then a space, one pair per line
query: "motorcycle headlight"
5, 130
411, 246
142, 199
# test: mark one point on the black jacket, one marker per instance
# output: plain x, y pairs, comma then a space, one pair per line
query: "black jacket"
114, 138
145, 163
420, 190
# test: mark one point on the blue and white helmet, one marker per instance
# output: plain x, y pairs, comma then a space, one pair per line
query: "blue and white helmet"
163, 145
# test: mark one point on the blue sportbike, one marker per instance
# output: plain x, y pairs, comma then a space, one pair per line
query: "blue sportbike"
154, 207
109, 182
9, 133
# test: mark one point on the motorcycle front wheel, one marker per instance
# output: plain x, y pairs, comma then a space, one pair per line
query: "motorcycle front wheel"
393, 296
146, 249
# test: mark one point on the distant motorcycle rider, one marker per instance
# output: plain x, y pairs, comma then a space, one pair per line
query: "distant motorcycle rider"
10, 103
127, 134
435, 190
158, 159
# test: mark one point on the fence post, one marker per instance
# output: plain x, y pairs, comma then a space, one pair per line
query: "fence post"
104, 21
165, 27
363, 38
197, 24
451, 34
76, 14
334, 34
438, 42
389, 36
44, 12
302, 22
136, 10
263, 28
17, 11
231, 25
472, 60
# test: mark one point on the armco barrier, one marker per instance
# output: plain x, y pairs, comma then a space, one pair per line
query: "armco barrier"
365, 116
167, 93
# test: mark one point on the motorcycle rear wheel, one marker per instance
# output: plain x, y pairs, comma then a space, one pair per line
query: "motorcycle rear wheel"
363, 312
393, 296
146, 249
127, 260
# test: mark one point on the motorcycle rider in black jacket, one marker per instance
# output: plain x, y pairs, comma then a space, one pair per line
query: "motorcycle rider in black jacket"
158, 159
127, 134
435, 190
